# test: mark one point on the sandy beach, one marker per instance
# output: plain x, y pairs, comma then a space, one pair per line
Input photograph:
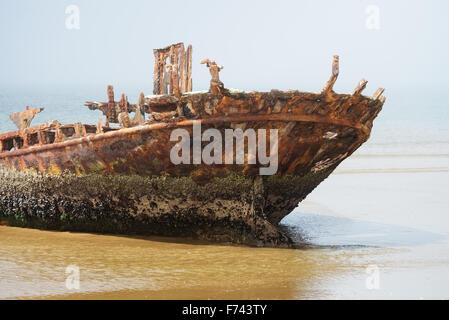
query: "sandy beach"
387, 214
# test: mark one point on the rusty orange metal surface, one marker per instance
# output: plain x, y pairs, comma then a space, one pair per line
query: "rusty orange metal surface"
313, 115
317, 131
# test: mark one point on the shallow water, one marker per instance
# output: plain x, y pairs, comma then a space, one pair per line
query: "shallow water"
355, 224
383, 215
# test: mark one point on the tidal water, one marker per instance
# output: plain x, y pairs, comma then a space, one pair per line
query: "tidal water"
378, 227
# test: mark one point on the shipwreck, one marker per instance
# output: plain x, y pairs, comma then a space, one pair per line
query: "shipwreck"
118, 175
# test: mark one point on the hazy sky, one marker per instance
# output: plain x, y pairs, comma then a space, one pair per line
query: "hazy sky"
262, 44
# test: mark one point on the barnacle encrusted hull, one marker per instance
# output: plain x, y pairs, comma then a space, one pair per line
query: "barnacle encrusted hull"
234, 209
125, 181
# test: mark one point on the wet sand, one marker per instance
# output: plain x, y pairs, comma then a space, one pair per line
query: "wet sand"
387, 213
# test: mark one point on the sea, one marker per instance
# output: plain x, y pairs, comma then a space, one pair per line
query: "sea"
377, 228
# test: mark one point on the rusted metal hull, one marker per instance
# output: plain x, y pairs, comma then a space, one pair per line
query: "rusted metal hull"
124, 181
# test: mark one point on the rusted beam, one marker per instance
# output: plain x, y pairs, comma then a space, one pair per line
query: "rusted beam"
23, 119
174, 76
378, 93
335, 71
15, 144
41, 136
178, 76
109, 108
360, 87
156, 74
123, 104
182, 69
59, 135
80, 130
287, 117
25, 137
110, 111
139, 117
123, 119
216, 86
172, 58
160, 116
100, 126
214, 69
189, 69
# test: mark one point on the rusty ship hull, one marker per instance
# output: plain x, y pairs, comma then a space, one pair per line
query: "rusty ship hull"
123, 180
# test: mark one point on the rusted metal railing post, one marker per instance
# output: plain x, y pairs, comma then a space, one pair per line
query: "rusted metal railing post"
360, 87
178, 78
216, 86
378, 93
100, 126
335, 71
139, 117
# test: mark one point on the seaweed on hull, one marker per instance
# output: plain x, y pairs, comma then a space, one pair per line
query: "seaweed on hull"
124, 179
